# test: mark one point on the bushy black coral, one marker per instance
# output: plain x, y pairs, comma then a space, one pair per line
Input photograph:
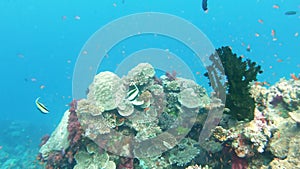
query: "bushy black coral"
238, 74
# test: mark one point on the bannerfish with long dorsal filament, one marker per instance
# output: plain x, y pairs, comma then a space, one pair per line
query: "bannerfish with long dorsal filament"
41, 107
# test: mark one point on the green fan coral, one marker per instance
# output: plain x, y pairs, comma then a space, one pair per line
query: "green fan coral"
239, 74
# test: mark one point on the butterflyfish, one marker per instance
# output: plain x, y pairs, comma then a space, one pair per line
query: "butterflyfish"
41, 107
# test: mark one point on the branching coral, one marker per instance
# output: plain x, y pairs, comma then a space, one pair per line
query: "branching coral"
239, 74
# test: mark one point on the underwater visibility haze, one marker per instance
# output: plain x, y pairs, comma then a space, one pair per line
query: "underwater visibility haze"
142, 84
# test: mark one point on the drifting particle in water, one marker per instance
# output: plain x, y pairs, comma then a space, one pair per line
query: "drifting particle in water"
64, 17
279, 60
77, 17
257, 34
68, 61
296, 34
114, 4
20, 55
42, 86
260, 21
84, 52
290, 13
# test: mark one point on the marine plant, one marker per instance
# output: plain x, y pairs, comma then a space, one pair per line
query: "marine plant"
239, 74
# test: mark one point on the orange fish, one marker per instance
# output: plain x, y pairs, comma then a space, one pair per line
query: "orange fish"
293, 76
260, 21
275, 6
273, 34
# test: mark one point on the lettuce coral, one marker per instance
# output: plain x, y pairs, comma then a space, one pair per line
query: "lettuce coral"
239, 74
184, 152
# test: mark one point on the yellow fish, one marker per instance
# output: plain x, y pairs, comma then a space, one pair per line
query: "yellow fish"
42, 108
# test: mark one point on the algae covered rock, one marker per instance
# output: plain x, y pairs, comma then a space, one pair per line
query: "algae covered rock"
59, 138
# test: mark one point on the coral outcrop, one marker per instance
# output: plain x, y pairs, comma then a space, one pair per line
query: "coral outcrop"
141, 121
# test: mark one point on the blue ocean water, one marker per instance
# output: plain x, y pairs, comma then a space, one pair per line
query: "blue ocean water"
40, 42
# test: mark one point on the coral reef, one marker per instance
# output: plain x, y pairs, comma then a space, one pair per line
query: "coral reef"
132, 124
139, 121
269, 140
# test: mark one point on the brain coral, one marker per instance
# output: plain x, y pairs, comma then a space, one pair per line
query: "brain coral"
106, 90
141, 74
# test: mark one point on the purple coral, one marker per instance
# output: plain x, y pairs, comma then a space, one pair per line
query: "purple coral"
74, 127
171, 76
276, 100
125, 163
238, 163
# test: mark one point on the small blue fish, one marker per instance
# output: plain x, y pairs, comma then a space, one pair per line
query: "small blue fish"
41, 107
290, 13
204, 5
